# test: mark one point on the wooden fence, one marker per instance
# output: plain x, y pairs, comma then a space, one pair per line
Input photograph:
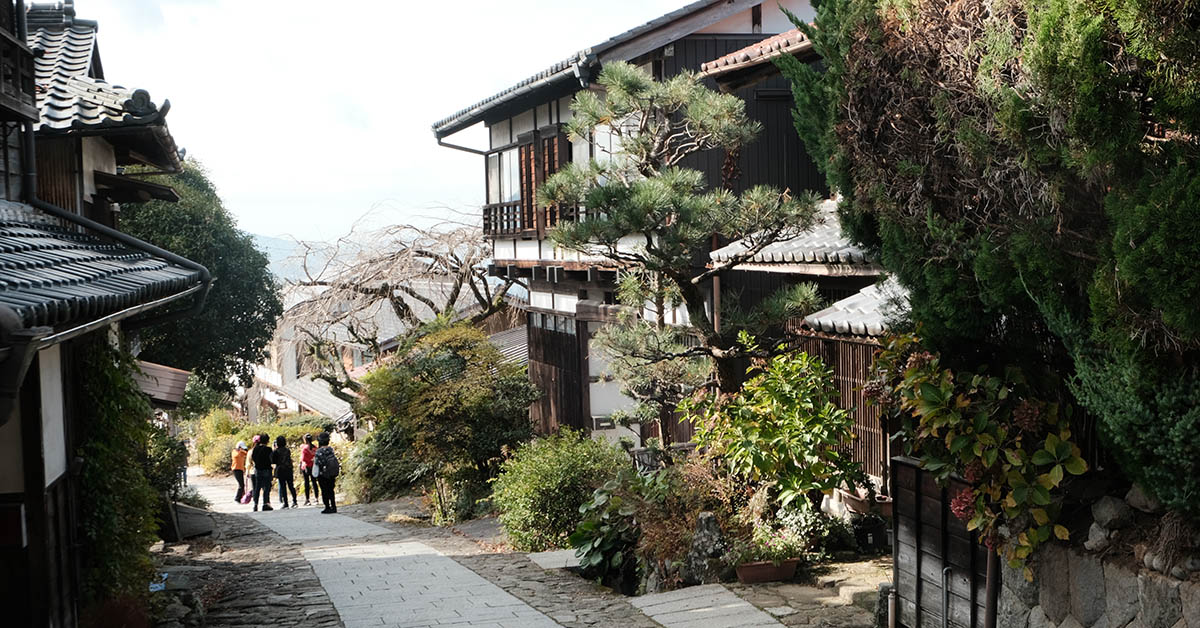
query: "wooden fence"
850, 359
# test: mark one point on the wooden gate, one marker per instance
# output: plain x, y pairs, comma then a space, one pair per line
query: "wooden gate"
939, 567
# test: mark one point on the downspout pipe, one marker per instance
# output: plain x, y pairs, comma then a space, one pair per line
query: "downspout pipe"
25, 343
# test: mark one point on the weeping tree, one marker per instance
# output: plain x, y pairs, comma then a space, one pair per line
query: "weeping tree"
365, 290
647, 214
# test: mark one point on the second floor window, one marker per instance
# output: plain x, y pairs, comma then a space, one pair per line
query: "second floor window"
503, 177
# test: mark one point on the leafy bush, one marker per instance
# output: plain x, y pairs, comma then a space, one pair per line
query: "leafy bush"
540, 489
118, 506
219, 431
606, 539
820, 533
166, 460
192, 497
784, 428
769, 543
446, 406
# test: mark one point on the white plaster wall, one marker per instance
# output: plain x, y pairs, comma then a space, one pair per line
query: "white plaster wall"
613, 436
522, 123
498, 134
565, 303
564, 109
773, 20
527, 249
544, 300
504, 249
12, 464
54, 438
97, 155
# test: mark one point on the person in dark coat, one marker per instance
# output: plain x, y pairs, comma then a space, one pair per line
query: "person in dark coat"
282, 457
262, 471
327, 469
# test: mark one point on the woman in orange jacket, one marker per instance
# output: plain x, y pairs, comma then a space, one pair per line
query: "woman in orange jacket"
239, 469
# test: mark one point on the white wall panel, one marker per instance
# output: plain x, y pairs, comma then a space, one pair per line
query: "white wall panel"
54, 434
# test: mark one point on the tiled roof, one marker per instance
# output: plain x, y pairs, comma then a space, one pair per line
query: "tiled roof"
72, 93
513, 345
864, 314
50, 275
822, 244
577, 65
791, 42
316, 395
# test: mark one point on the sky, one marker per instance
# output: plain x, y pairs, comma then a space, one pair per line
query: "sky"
313, 118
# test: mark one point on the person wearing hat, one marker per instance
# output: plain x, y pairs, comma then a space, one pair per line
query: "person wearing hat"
239, 469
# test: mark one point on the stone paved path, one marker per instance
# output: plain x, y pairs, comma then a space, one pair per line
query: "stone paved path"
390, 581
705, 606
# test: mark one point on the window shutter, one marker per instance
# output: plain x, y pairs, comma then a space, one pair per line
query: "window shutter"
555, 148
527, 157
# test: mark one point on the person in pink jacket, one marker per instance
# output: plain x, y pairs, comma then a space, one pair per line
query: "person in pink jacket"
308, 452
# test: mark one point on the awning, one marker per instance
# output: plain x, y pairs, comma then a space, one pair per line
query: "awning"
163, 384
125, 189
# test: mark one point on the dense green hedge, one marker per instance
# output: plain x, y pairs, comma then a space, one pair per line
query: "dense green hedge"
117, 505
540, 489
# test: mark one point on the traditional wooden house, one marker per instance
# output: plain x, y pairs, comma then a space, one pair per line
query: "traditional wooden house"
64, 279
571, 296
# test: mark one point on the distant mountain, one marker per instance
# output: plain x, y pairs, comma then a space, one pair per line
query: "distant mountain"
283, 255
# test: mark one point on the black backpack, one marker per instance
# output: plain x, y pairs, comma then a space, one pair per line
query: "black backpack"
327, 460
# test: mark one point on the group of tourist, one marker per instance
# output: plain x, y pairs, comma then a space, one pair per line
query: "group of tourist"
318, 464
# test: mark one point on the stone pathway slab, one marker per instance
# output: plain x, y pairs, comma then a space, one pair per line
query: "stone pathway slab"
705, 606
307, 524
559, 559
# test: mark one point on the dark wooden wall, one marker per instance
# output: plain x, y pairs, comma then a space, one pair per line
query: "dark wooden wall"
558, 369
58, 172
928, 539
10, 161
777, 157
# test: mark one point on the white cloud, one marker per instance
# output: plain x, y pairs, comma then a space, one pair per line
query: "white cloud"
309, 114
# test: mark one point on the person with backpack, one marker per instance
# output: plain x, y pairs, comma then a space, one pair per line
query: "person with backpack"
327, 469
307, 452
239, 469
261, 456
282, 457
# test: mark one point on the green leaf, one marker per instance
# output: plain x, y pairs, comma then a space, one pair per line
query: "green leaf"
931, 393
959, 442
1056, 474
1043, 457
1041, 496
1040, 516
1075, 465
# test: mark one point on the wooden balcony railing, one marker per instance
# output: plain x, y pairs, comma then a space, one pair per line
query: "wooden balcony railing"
504, 219
18, 101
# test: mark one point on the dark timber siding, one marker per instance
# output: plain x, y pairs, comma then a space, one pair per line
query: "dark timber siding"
58, 172
930, 539
777, 157
558, 369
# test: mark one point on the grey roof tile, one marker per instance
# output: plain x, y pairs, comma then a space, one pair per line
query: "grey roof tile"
822, 244
790, 42
513, 345
316, 395
864, 314
50, 275
72, 94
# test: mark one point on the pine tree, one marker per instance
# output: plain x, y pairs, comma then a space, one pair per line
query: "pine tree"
646, 213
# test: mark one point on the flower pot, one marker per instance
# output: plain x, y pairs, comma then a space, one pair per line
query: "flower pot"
854, 502
885, 505
767, 571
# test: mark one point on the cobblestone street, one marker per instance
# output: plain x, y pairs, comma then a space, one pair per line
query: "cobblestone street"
379, 565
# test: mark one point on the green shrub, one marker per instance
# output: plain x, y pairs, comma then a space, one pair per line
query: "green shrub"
166, 459
784, 428
540, 489
118, 506
608, 535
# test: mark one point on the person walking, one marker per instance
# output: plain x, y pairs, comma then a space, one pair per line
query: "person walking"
239, 469
327, 469
282, 457
261, 456
307, 453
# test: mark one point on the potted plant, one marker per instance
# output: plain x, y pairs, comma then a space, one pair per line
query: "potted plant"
770, 554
